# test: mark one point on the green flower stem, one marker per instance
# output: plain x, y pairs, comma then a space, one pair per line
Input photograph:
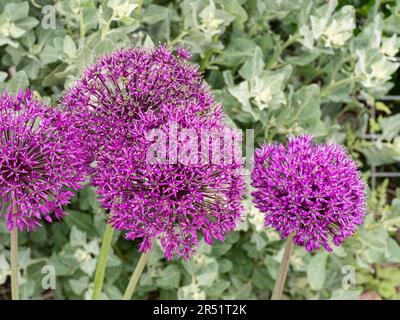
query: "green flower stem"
14, 264
205, 61
102, 262
325, 92
136, 275
292, 39
283, 269
273, 63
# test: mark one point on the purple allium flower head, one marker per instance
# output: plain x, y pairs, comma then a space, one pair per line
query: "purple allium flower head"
138, 85
40, 158
313, 191
128, 94
170, 201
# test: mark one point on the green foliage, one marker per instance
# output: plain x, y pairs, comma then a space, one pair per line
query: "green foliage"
280, 67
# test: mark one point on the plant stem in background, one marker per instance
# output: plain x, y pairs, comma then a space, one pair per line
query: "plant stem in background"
102, 262
283, 269
14, 264
136, 275
325, 92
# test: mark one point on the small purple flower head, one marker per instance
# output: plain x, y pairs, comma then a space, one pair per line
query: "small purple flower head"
39, 158
312, 191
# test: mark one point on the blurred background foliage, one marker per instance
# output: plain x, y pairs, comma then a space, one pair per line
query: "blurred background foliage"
279, 66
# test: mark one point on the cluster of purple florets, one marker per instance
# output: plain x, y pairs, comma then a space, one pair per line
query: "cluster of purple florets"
41, 157
129, 93
314, 192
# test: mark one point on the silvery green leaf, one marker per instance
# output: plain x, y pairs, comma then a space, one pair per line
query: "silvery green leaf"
333, 28
244, 291
339, 251
305, 108
191, 292
390, 127
3, 76
305, 58
242, 93
4, 269
27, 288
169, 277
390, 46
214, 20
77, 237
49, 54
320, 20
254, 66
376, 70
24, 258
224, 265
316, 271
371, 35
238, 51
17, 54
89, 266
267, 92
381, 153
62, 269
113, 292
207, 278
228, 78
114, 260
92, 247
220, 248
16, 11
375, 244
82, 221
121, 8
5, 40
217, 289
207, 273
280, 9
15, 31
235, 9
148, 43
393, 253
69, 46
18, 82
259, 241
79, 285
155, 13
262, 279
4, 265
103, 47
27, 23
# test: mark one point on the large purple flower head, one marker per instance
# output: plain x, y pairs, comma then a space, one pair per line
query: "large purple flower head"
137, 85
132, 94
40, 158
312, 191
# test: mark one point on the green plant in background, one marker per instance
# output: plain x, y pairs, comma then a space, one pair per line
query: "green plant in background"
280, 67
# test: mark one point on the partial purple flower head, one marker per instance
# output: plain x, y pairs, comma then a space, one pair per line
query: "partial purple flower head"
174, 201
138, 85
313, 191
184, 52
40, 158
